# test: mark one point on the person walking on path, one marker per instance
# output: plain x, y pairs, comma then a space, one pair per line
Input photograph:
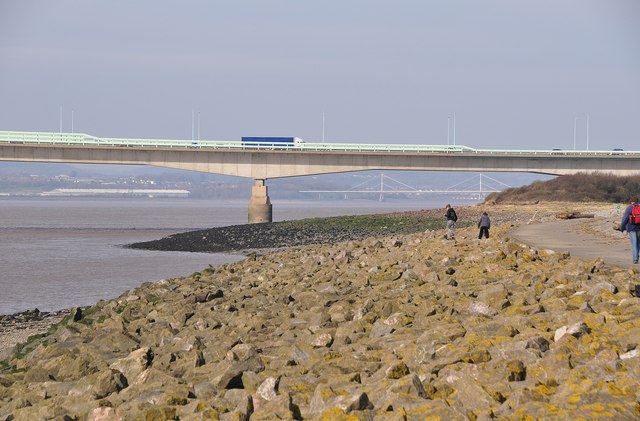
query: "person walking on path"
484, 224
632, 227
451, 221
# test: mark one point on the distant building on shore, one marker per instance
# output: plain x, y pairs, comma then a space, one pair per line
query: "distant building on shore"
116, 193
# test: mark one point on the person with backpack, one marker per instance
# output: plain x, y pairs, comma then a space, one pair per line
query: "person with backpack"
631, 223
484, 224
451, 221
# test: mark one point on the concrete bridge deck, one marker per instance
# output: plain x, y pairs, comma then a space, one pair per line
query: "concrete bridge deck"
288, 160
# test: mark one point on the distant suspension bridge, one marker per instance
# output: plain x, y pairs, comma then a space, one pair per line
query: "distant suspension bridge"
476, 187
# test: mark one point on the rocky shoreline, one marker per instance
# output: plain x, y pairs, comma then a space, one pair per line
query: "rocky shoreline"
397, 326
246, 239
260, 238
277, 236
18, 327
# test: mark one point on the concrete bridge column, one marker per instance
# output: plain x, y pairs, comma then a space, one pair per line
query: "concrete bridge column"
259, 205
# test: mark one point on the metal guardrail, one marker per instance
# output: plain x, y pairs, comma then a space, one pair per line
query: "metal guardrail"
82, 139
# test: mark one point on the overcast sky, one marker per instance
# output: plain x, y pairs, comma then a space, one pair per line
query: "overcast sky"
515, 72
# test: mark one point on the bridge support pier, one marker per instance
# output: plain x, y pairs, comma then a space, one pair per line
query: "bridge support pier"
259, 205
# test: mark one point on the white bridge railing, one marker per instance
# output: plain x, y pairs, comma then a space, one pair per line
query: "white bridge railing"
81, 139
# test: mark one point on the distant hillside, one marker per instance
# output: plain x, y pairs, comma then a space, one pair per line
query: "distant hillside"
576, 188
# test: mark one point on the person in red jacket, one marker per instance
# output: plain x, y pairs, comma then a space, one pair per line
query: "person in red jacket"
631, 228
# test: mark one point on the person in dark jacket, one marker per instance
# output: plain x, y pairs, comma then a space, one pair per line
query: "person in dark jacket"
484, 224
451, 222
632, 229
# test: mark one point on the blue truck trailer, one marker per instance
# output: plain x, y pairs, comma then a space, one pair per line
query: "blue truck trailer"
271, 141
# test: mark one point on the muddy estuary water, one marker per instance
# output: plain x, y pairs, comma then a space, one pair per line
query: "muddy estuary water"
61, 253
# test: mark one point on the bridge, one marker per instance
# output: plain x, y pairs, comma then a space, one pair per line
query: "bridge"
268, 161
384, 188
